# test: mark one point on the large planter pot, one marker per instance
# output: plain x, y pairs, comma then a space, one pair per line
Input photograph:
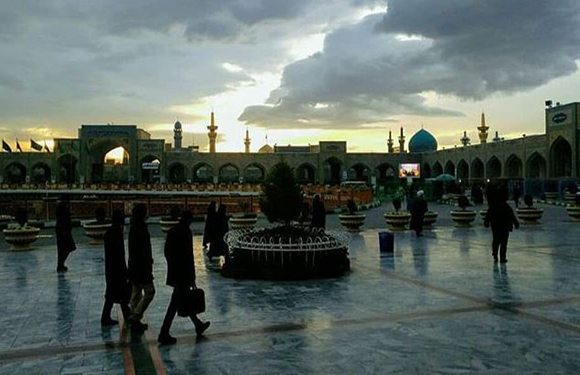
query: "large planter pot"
21, 237
483, 214
96, 232
167, 223
570, 198
463, 219
430, 218
243, 222
397, 221
352, 222
529, 215
574, 212
552, 196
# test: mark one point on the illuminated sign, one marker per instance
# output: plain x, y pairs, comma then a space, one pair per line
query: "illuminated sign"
151, 166
409, 170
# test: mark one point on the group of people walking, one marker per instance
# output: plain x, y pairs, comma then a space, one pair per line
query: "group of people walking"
216, 227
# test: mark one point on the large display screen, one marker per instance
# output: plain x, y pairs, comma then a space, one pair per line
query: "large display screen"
409, 170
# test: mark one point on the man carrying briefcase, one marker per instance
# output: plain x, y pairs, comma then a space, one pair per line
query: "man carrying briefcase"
181, 276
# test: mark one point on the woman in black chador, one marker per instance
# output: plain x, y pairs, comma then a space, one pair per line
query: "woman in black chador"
65, 244
210, 223
218, 245
502, 220
118, 286
318, 213
418, 210
180, 274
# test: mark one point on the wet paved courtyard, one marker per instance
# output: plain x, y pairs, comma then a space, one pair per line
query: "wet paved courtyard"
438, 305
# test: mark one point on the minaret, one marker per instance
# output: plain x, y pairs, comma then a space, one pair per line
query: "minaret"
465, 140
483, 128
212, 134
390, 143
247, 141
177, 135
402, 141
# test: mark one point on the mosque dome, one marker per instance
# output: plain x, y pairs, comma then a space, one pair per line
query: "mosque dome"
177, 125
266, 149
422, 141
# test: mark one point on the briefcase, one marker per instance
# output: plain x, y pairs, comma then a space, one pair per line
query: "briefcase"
191, 301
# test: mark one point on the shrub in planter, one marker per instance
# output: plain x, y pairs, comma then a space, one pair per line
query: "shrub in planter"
571, 193
463, 217
574, 209
352, 220
95, 230
19, 234
245, 219
168, 222
529, 214
282, 201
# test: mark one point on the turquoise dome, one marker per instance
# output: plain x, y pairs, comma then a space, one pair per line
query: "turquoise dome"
422, 141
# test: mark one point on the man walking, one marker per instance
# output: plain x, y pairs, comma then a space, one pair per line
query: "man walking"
180, 274
502, 219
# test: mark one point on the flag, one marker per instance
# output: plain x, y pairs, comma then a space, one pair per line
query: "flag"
46, 147
35, 146
6, 146
18, 146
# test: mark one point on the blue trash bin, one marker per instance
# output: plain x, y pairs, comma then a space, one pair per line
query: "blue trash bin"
386, 242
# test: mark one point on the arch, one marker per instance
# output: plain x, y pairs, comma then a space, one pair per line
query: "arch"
202, 172
477, 169
514, 167
536, 166
176, 173
306, 173
15, 173
67, 169
493, 167
150, 172
359, 172
450, 168
386, 172
254, 173
332, 171
105, 168
561, 158
437, 169
462, 170
229, 173
426, 171
40, 173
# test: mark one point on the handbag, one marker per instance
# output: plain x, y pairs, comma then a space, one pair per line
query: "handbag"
191, 301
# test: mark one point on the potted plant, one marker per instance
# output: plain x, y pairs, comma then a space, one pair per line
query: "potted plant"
352, 220
574, 209
463, 217
552, 196
430, 218
529, 214
246, 219
397, 220
571, 193
20, 235
168, 222
96, 229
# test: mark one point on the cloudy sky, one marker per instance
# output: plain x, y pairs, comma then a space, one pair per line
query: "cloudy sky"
298, 71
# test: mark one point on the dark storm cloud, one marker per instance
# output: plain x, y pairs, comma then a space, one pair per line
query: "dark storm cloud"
469, 49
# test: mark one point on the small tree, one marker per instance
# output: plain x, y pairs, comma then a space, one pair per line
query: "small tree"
463, 202
351, 207
397, 204
282, 200
573, 188
529, 200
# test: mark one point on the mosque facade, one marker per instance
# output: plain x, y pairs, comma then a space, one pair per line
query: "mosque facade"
553, 155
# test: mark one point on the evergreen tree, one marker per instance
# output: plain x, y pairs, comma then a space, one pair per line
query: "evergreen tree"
282, 200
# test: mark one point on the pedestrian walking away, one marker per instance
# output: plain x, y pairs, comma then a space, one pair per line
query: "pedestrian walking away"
65, 244
502, 220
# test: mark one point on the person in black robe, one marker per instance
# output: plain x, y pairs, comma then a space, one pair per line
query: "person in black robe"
210, 223
218, 245
140, 266
318, 213
516, 194
118, 288
180, 275
418, 210
502, 219
65, 244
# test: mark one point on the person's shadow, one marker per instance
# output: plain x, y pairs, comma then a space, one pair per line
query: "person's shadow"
64, 309
502, 292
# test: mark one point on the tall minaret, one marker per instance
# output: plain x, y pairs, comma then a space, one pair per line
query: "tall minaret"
212, 134
390, 143
402, 141
247, 141
483, 128
177, 136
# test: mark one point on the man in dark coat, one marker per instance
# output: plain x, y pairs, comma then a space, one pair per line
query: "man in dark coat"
180, 275
418, 210
502, 219
318, 213
140, 266
65, 244
210, 223
116, 276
